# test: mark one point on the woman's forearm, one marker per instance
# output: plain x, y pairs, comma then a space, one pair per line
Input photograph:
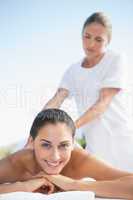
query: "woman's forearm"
11, 187
121, 188
118, 188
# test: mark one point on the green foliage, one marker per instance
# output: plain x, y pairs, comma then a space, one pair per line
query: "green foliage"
82, 142
6, 150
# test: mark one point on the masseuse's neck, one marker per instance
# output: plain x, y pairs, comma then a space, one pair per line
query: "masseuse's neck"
91, 62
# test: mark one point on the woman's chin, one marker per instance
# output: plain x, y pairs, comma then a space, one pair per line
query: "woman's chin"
52, 172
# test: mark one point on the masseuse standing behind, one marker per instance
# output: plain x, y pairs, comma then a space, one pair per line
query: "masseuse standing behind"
98, 84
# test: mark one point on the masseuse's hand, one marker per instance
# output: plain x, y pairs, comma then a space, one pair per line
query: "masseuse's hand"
37, 185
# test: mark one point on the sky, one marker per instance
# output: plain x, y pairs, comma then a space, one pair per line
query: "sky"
39, 39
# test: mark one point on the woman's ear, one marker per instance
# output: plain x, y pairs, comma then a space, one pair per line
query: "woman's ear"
29, 143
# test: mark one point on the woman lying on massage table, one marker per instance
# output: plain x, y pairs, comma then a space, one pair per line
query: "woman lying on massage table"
52, 153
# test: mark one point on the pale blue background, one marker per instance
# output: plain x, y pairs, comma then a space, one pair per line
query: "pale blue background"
39, 39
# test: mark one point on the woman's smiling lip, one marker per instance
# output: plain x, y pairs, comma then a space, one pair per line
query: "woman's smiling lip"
53, 164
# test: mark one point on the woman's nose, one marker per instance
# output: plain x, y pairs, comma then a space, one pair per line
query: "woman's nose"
55, 155
91, 43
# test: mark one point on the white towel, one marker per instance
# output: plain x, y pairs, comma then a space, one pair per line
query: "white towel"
74, 195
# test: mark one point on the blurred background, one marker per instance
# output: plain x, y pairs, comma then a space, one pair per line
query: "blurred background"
39, 39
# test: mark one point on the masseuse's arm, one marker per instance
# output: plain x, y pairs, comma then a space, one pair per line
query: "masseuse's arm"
119, 188
99, 107
57, 99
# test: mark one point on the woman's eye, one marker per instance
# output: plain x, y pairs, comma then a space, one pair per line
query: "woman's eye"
46, 145
99, 40
64, 146
87, 37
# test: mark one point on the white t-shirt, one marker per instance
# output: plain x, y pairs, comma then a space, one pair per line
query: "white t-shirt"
111, 135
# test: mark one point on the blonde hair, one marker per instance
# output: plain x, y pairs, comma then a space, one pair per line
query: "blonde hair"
100, 18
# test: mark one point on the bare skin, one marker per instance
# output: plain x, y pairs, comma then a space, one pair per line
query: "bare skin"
19, 170
22, 167
52, 153
101, 188
104, 100
95, 40
33, 185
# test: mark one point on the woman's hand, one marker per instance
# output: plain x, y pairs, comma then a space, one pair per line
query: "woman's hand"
37, 185
62, 182
66, 184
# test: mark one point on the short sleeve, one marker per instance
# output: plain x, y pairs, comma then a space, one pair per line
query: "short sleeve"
67, 81
116, 74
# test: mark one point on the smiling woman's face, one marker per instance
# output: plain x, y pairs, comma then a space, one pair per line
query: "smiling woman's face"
52, 147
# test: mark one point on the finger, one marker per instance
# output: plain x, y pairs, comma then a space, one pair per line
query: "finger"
51, 189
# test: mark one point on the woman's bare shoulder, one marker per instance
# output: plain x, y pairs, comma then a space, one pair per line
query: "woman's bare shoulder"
21, 157
13, 167
26, 160
83, 164
79, 155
